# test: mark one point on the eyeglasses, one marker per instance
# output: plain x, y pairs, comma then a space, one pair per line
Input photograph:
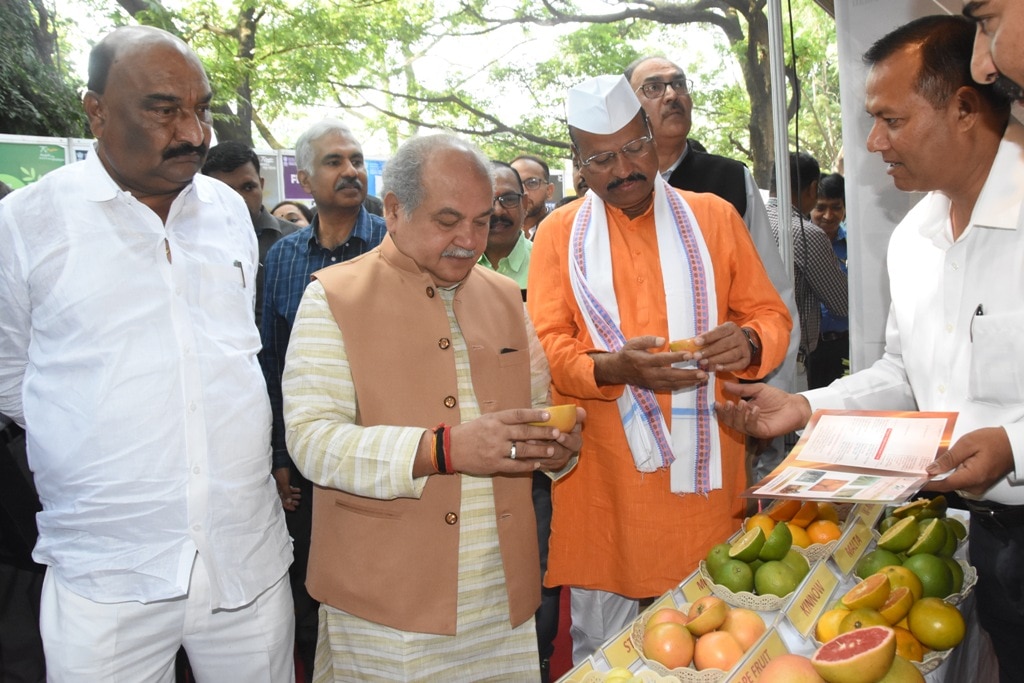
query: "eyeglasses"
634, 149
509, 200
655, 89
534, 183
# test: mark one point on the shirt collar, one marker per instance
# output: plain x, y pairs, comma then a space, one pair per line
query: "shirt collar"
999, 203
361, 229
100, 187
667, 173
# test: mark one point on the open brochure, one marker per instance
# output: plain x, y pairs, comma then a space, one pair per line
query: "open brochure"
860, 456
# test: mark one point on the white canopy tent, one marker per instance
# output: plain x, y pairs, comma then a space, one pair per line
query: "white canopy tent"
873, 205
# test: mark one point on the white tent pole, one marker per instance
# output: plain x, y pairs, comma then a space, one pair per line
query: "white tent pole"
781, 130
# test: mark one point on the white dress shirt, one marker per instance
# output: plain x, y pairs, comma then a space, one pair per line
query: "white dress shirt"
128, 350
939, 354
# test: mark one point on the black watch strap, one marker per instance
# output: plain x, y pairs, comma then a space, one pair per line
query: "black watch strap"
755, 348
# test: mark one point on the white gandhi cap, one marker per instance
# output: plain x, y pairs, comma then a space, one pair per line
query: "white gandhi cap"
602, 105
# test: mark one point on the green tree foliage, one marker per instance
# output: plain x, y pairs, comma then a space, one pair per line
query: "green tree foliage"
495, 72
37, 97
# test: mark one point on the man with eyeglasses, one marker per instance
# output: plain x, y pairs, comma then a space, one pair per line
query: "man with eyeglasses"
665, 93
508, 249
614, 278
536, 177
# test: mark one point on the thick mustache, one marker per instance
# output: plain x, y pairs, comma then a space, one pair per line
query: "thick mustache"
498, 221
458, 252
184, 150
346, 183
1004, 86
635, 175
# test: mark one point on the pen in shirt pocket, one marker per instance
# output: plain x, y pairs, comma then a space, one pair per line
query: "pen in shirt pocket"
978, 312
241, 270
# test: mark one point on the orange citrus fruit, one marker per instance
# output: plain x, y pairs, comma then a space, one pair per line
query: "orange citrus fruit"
808, 513
823, 531
783, 510
827, 627
762, 520
861, 618
872, 593
800, 537
901, 576
717, 650
897, 606
907, 646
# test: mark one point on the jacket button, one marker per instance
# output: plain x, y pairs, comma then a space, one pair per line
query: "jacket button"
430, 292
451, 518
449, 401
444, 343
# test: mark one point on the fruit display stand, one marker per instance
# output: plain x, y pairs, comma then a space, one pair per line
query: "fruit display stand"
790, 628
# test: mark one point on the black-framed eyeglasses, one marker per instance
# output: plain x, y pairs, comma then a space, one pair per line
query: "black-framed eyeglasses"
634, 149
534, 183
509, 200
652, 90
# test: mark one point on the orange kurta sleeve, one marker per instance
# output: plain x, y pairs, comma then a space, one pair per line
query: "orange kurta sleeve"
614, 528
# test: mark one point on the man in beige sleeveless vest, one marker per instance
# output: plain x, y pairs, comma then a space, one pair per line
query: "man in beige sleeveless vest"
410, 381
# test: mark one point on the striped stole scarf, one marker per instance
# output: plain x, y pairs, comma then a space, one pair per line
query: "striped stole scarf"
690, 301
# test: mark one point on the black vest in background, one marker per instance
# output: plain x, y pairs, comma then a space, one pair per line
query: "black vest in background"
703, 172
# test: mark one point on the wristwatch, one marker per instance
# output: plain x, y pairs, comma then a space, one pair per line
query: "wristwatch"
755, 345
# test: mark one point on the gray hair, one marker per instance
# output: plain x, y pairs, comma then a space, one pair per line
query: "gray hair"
304, 147
403, 172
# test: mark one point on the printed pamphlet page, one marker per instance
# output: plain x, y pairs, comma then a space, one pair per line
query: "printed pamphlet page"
860, 456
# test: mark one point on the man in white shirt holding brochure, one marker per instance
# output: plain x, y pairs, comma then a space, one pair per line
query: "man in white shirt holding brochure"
953, 337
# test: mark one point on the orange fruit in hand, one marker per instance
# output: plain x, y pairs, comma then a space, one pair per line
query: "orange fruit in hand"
823, 531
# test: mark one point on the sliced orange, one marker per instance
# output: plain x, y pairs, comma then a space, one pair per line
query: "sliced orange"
783, 510
808, 513
898, 604
872, 593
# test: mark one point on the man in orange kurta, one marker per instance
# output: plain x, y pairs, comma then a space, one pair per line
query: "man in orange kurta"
616, 530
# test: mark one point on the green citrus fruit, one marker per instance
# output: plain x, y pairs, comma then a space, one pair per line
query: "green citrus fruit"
958, 574
797, 562
957, 527
902, 671
887, 523
930, 539
911, 509
775, 578
875, 560
778, 543
936, 623
936, 576
949, 547
735, 575
716, 557
900, 536
748, 546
